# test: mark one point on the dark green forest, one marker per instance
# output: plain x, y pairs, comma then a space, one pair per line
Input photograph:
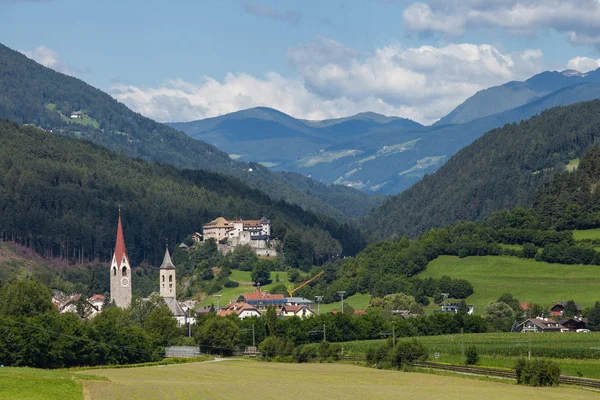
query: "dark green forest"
33, 94
59, 196
499, 171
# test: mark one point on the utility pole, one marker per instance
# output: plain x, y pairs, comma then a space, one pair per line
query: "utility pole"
319, 299
218, 296
253, 337
462, 344
341, 293
393, 334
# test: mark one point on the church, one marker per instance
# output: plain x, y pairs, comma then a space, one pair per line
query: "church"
121, 279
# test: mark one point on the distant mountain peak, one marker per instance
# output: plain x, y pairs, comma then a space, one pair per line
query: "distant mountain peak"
571, 72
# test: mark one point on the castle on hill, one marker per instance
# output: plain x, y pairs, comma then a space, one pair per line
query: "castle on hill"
231, 234
121, 279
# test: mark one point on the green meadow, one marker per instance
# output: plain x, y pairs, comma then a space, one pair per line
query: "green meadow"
528, 280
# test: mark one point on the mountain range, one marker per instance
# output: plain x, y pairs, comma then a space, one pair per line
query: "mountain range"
33, 94
380, 154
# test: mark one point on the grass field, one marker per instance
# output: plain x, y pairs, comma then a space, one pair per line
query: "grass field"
358, 302
527, 280
243, 277
260, 380
588, 234
31, 383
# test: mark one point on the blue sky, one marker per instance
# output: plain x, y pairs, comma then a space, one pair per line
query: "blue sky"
185, 60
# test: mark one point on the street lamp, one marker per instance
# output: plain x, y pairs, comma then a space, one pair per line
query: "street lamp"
319, 299
342, 293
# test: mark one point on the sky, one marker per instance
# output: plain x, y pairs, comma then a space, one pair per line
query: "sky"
185, 60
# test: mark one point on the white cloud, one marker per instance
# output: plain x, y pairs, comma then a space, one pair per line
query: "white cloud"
333, 80
579, 19
50, 58
583, 64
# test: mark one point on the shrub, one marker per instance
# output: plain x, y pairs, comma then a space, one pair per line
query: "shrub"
305, 353
406, 353
537, 372
378, 354
472, 357
271, 347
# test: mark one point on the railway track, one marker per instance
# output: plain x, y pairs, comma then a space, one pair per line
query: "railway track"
503, 373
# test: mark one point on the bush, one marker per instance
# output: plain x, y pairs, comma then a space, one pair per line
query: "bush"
378, 354
537, 372
408, 352
271, 347
305, 353
472, 357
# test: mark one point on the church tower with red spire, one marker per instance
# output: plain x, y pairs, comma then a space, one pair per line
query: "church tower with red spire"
120, 271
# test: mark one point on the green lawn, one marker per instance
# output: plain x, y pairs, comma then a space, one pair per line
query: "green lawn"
229, 294
588, 234
243, 379
511, 246
573, 164
358, 301
31, 383
527, 280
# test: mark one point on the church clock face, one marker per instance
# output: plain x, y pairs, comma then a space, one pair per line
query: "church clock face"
125, 282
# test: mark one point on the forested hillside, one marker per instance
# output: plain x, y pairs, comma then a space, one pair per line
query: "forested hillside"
500, 170
59, 197
33, 94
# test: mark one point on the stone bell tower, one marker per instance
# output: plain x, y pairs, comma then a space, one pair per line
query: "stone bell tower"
120, 271
167, 278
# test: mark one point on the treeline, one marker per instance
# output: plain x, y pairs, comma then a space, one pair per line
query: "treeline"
59, 196
33, 94
500, 170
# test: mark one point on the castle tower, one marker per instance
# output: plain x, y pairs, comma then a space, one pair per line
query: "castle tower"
167, 277
120, 271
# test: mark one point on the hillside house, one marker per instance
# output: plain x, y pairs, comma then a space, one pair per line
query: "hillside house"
453, 308
542, 325
76, 115
261, 300
575, 323
404, 314
558, 310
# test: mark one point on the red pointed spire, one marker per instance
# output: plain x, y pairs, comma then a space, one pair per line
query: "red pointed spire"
120, 250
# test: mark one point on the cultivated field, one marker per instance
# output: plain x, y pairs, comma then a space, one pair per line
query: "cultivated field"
587, 234
259, 380
578, 354
31, 383
527, 280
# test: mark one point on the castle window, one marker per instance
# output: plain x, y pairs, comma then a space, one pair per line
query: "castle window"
124, 271
163, 278
170, 278
115, 271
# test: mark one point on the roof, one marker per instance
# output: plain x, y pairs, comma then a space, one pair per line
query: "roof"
545, 323
263, 296
174, 306
120, 249
167, 263
97, 297
217, 223
299, 300
359, 312
235, 308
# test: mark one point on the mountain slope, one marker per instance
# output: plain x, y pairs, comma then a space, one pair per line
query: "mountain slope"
58, 196
33, 94
515, 94
500, 170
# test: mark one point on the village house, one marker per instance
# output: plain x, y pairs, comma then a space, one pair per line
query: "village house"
454, 307
558, 310
575, 324
405, 314
86, 308
241, 309
542, 325
262, 300
295, 311
76, 115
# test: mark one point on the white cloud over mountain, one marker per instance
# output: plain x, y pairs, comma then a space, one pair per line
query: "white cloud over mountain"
333, 80
578, 19
50, 58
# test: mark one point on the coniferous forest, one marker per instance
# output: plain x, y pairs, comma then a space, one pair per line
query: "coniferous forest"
59, 196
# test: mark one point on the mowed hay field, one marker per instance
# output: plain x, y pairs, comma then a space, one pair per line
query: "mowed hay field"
243, 379
527, 280
31, 383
